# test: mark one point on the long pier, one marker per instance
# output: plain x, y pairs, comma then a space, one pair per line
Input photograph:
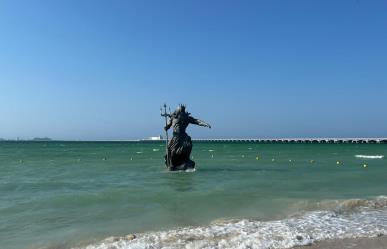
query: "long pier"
301, 140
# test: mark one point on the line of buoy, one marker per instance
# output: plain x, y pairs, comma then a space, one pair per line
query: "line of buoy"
338, 163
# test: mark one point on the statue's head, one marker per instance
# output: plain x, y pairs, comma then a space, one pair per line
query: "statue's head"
180, 108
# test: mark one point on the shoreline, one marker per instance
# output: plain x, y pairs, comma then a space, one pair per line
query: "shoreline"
379, 242
353, 224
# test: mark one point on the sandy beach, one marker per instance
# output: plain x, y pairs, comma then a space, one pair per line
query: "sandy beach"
358, 243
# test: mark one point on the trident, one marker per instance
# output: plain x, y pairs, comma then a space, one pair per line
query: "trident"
166, 115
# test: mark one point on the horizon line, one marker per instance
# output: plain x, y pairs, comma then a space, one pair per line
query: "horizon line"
197, 139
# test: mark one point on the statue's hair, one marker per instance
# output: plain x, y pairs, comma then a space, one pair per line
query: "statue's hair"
182, 106
181, 109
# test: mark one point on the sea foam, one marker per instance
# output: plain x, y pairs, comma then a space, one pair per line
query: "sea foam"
349, 219
370, 156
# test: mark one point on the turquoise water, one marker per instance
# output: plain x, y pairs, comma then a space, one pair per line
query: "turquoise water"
62, 194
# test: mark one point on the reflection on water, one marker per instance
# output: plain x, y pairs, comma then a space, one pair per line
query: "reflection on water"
180, 181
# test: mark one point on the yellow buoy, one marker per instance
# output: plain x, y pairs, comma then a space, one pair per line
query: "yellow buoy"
338, 162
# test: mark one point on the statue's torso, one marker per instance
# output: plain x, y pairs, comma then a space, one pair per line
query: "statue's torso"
180, 123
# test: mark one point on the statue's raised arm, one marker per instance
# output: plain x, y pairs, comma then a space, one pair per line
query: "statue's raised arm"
199, 122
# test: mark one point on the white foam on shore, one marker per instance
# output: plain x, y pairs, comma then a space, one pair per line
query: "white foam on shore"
370, 156
350, 219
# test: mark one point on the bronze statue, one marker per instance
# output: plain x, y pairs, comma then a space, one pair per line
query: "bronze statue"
179, 147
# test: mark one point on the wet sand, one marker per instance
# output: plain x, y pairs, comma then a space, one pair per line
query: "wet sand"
359, 243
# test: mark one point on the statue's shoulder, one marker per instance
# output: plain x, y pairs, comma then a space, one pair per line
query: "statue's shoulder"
187, 115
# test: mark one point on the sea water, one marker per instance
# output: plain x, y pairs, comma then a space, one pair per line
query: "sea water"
246, 195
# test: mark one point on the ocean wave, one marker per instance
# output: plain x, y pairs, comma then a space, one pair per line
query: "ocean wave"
348, 219
370, 156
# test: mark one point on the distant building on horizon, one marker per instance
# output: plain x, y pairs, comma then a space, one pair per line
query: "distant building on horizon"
157, 138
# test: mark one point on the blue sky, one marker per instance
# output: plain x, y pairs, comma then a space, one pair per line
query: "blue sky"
101, 69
